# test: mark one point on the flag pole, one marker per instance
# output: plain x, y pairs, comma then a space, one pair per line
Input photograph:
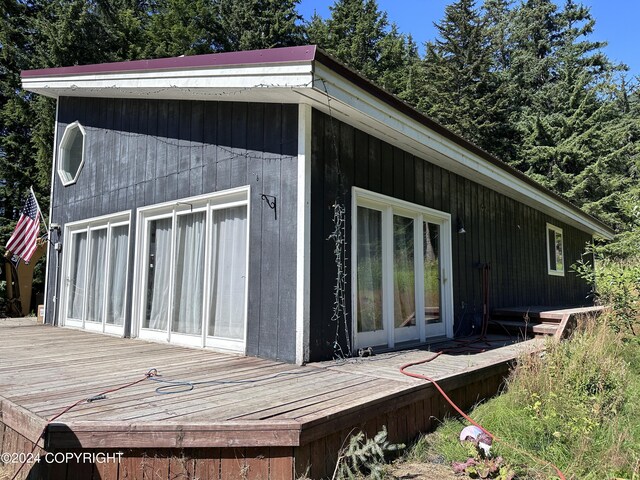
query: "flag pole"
39, 211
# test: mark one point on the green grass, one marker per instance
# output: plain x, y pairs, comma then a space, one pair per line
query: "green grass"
577, 406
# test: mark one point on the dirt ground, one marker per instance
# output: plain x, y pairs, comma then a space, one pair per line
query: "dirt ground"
423, 471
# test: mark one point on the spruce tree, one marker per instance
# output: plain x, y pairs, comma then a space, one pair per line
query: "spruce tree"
359, 34
462, 88
256, 24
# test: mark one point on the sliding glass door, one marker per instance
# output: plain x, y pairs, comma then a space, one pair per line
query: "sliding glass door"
399, 271
95, 278
195, 271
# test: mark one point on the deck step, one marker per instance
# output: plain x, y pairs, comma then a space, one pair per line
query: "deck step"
523, 328
544, 317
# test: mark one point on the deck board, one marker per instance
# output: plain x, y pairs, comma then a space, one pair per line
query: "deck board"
43, 369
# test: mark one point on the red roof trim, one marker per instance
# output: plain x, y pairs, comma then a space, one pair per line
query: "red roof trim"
248, 57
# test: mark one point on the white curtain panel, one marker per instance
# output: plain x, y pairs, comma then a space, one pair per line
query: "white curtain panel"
97, 270
369, 258
117, 279
158, 283
189, 286
76, 278
229, 250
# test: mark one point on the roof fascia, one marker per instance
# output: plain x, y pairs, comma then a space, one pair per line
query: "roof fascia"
184, 83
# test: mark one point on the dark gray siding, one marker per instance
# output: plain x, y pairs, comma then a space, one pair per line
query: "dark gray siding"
508, 235
143, 152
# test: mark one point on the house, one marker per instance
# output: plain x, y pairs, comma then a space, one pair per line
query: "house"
277, 204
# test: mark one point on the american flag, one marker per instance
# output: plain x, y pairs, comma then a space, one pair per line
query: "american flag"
23, 241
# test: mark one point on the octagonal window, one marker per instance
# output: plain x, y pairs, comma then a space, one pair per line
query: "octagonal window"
71, 155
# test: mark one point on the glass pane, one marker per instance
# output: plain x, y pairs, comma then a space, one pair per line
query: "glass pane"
187, 308
75, 301
159, 263
75, 146
229, 270
551, 242
117, 279
558, 250
404, 291
97, 268
369, 265
431, 245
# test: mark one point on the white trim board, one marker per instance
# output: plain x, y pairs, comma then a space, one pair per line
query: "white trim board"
303, 249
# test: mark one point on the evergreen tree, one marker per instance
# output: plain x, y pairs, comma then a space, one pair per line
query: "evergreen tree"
256, 24
181, 27
191, 27
564, 81
359, 34
462, 87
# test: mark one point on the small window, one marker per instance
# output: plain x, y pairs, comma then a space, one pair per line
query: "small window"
555, 250
71, 155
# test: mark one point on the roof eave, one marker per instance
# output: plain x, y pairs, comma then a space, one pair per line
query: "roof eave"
276, 75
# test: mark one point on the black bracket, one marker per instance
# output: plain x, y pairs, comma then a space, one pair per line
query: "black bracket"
271, 201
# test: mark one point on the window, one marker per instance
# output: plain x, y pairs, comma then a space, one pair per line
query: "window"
95, 279
555, 250
401, 260
71, 153
193, 273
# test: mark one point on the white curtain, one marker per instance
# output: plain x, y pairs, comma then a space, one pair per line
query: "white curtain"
189, 287
229, 250
76, 275
369, 258
117, 274
158, 274
97, 270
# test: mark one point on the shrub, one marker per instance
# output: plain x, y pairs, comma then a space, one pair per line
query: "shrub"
616, 284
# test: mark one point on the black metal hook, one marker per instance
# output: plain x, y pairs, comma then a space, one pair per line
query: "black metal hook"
271, 201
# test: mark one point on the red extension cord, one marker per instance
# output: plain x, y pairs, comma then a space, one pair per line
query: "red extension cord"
403, 370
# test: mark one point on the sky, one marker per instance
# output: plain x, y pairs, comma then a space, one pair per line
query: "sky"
616, 22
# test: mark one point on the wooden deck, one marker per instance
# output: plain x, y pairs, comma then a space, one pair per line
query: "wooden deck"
291, 417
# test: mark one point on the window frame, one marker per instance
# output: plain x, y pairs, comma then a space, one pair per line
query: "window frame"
108, 222
556, 230
65, 177
390, 206
207, 203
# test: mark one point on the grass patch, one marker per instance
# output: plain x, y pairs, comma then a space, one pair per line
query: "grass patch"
577, 406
